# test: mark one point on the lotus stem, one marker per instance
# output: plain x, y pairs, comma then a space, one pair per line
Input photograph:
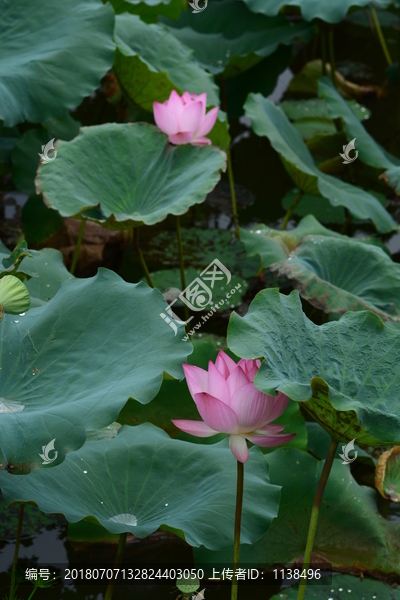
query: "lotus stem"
315, 512
229, 161
332, 57
78, 246
181, 262
118, 560
381, 36
291, 210
238, 521
141, 257
16, 551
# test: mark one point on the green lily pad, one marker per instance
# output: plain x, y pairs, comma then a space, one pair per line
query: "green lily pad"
319, 207
228, 38
14, 297
346, 373
150, 63
150, 10
141, 479
387, 474
340, 587
330, 12
269, 120
337, 275
47, 271
75, 362
131, 171
299, 109
50, 82
351, 534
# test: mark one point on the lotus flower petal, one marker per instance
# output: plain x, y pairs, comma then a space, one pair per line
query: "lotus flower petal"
208, 122
280, 405
236, 380
191, 117
196, 428
180, 138
217, 385
225, 364
203, 141
216, 414
196, 378
165, 118
238, 446
252, 407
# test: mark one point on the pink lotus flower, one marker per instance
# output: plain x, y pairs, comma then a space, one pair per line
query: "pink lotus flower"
184, 119
229, 403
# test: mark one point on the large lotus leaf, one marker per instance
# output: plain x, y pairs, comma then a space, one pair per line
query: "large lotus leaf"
58, 74
131, 171
299, 109
269, 120
340, 587
346, 372
228, 38
150, 62
47, 271
274, 245
142, 479
71, 364
150, 10
351, 533
331, 12
337, 275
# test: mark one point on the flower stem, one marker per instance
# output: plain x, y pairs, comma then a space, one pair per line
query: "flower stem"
238, 521
291, 210
381, 36
16, 551
141, 257
323, 48
181, 263
315, 512
118, 560
332, 57
78, 246
229, 161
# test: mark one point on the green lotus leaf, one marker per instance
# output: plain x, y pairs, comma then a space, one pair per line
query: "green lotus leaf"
337, 275
274, 245
150, 10
346, 373
150, 62
141, 479
131, 171
228, 38
269, 120
330, 12
387, 474
339, 588
75, 362
50, 82
351, 533
297, 110
14, 297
